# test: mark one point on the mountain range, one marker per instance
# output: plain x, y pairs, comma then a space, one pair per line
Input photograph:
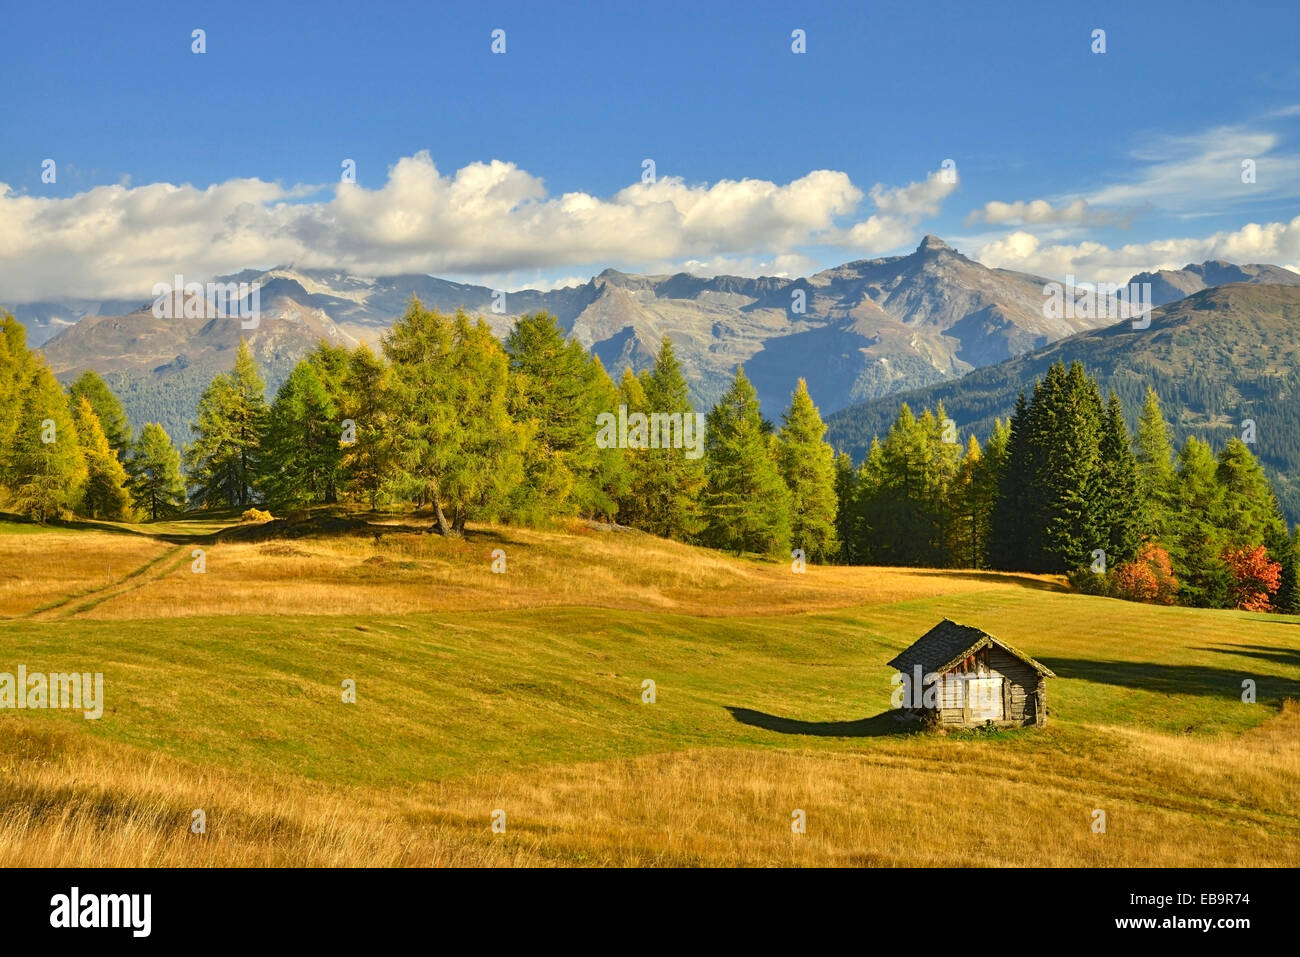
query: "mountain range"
857, 332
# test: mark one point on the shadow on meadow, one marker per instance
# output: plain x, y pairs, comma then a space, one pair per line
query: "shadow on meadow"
1177, 679
1008, 578
1282, 656
884, 724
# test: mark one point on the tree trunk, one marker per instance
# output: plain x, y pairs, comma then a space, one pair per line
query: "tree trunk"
441, 525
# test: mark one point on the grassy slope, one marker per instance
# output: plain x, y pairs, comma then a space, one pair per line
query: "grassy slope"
772, 695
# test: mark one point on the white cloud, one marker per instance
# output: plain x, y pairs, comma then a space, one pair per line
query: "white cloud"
1276, 243
915, 199
900, 211
1183, 176
486, 218
1040, 212
1202, 172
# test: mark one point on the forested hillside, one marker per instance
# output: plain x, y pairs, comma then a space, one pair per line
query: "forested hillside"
1216, 359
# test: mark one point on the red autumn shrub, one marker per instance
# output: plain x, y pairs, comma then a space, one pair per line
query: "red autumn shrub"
1257, 578
1149, 577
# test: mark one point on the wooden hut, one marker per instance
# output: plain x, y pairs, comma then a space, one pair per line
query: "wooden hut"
978, 679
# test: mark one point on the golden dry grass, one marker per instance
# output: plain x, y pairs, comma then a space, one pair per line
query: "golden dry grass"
44, 568
521, 692
403, 572
69, 802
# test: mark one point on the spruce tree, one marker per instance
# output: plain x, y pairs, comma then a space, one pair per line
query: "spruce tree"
807, 465
1288, 593
891, 499
869, 489
156, 483
985, 483
1070, 476
746, 504
846, 508
1010, 547
671, 479
1120, 512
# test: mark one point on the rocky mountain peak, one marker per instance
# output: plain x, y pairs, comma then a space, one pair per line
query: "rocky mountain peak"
933, 244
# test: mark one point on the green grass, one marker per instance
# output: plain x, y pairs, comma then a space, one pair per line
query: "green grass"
447, 695
539, 708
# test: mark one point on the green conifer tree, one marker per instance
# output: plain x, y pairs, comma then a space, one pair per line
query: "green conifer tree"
1155, 469
745, 502
104, 493
301, 456
156, 483
807, 465
108, 407
671, 479
222, 462
45, 468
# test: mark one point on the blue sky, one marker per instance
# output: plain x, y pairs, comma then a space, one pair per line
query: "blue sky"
1135, 152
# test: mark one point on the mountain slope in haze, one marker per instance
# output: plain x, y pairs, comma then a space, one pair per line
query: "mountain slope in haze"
137, 354
863, 329
880, 325
866, 329
1216, 358
46, 319
1170, 285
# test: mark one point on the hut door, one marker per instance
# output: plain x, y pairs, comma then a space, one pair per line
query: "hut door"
985, 698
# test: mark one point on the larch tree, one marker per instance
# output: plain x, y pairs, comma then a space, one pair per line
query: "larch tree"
156, 482
557, 395
634, 502
301, 456
108, 407
45, 468
1155, 468
366, 407
807, 464
104, 494
222, 461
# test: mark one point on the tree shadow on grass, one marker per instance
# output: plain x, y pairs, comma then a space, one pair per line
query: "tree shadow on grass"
1283, 656
884, 724
1171, 679
1009, 578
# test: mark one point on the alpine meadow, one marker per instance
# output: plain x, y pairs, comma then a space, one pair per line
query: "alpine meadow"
533, 440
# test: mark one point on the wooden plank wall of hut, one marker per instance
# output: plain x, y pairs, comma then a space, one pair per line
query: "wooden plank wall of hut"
1023, 681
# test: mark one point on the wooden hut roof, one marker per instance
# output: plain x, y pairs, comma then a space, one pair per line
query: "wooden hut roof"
941, 648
